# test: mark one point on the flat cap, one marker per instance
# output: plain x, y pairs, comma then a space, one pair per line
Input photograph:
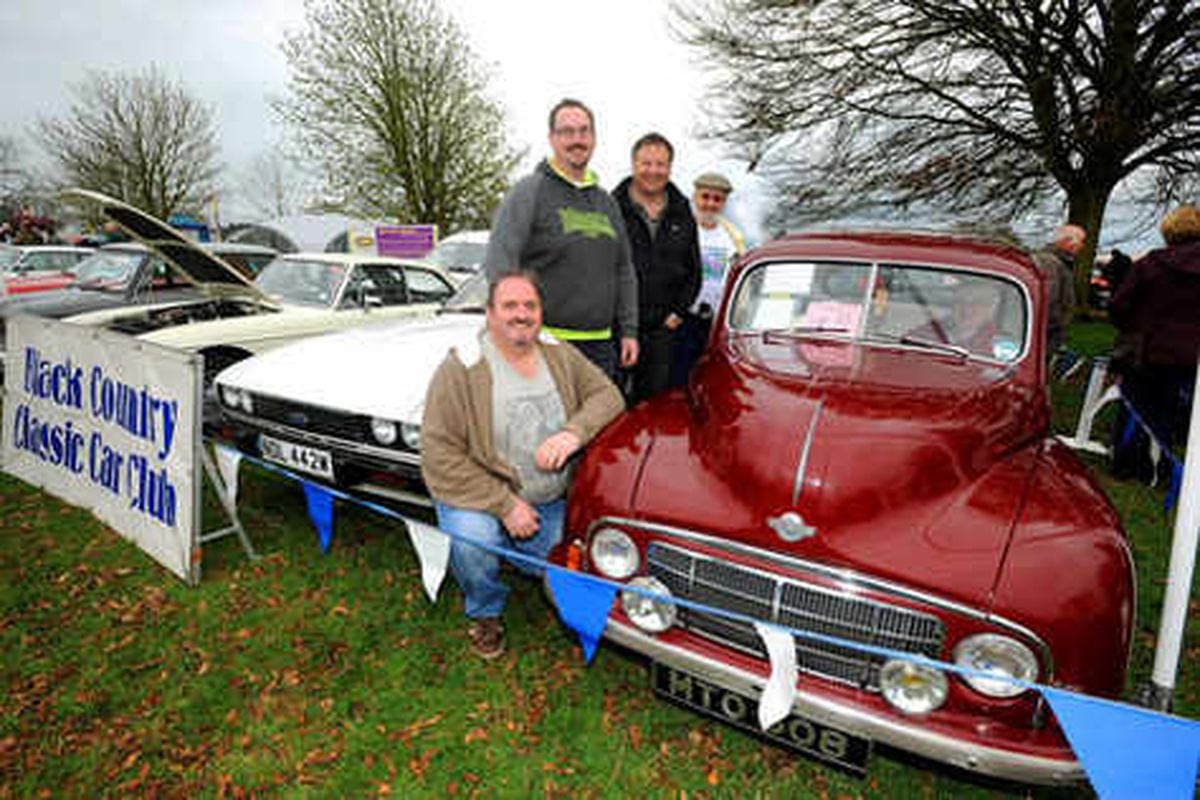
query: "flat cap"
713, 180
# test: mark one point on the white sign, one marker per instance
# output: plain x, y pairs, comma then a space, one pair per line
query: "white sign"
111, 424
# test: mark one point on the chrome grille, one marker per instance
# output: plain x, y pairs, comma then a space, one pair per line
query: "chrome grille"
791, 603
352, 427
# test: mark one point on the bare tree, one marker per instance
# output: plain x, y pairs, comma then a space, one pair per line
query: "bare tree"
273, 186
960, 105
386, 97
14, 179
140, 138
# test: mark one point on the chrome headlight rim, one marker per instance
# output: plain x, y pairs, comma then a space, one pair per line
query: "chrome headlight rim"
410, 434
647, 613
999, 655
613, 553
912, 688
231, 396
384, 431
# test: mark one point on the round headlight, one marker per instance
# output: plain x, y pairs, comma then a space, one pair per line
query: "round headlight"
247, 402
411, 434
613, 553
912, 688
230, 396
384, 430
999, 655
653, 616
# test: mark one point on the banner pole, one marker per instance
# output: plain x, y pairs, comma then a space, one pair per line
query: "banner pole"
1182, 568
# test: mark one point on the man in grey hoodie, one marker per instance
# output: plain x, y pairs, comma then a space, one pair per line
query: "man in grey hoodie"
559, 223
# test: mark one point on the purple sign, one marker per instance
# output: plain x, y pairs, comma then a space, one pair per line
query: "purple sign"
405, 241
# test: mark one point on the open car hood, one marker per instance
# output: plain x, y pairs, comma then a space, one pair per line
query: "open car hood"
189, 260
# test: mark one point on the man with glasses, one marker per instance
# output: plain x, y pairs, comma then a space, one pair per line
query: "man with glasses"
559, 223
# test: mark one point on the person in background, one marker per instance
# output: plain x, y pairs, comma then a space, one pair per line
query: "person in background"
560, 224
1155, 309
720, 243
1057, 262
499, 429
662, 236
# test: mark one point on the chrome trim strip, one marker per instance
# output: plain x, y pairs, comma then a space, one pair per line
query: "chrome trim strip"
910, 736
802, 466
843, 575
272, 427
398, 495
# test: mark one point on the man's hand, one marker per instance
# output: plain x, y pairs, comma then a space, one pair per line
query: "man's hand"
522, 520
672, 321
554, 452
629, 351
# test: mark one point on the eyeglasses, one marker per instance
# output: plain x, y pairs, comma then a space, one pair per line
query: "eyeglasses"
710, 197
570, 133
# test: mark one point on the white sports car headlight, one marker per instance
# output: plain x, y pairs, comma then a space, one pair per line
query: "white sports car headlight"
411, 434
384, 430
231, 396
912, 688
998, 655
247, 401
613, 554
653, 616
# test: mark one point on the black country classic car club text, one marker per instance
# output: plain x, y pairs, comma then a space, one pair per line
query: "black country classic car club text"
109, 402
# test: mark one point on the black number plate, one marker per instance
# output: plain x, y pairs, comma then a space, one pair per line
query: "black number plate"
793, 732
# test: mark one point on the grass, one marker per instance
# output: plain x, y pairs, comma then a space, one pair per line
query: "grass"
309, 675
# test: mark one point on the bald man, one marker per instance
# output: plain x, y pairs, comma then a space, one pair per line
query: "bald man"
1057, 262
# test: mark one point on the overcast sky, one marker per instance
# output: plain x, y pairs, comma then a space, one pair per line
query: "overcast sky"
623, 62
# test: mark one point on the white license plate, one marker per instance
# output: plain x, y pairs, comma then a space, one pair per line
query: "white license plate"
298, 456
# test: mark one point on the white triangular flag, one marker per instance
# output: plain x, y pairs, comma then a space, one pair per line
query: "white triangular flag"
433, 551
228, 460
780, 691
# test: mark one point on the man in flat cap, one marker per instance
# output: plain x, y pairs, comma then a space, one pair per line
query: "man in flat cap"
720, 243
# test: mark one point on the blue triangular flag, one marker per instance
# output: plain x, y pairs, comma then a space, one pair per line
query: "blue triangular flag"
1129, 752
320, 511
1176, 482
583, 603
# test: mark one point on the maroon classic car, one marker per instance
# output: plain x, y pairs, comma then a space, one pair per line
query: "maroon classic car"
864, 452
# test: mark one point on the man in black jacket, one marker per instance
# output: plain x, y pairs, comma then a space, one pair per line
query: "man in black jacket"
666, 254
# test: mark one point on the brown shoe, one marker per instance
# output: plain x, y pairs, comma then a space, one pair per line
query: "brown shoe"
487, 637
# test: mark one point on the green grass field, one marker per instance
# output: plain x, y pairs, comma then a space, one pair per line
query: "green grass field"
310, 675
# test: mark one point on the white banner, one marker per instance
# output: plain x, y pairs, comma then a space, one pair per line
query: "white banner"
108, 423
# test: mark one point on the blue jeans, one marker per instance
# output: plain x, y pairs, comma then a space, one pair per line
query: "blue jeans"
477, 570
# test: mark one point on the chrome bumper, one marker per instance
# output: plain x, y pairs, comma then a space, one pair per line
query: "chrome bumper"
897, 733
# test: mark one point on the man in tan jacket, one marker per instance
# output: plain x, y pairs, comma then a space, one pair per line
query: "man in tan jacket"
499, 428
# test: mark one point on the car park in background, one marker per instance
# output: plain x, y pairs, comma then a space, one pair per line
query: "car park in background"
864, 452
36, 268
229, 317
460, 254
346, 408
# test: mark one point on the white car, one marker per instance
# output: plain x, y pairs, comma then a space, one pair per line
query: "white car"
460, 254
346, 408
294, 296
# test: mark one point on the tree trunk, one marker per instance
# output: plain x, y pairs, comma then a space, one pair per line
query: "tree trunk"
1086, 205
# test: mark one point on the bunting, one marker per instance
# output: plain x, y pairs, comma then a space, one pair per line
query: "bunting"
432, 547
583, 604
228, 460
780, 691
320, 511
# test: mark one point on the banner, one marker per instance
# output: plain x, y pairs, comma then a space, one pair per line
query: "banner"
108, 423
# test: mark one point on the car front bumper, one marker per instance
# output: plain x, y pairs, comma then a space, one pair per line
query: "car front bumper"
372, 469
900, 733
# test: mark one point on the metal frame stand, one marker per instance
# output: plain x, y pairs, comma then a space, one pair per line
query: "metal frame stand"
214, 476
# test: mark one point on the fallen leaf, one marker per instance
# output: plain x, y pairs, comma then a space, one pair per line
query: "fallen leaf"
475, 735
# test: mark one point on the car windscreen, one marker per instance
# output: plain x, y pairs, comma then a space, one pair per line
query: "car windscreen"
471, 295
108, 269
457, 255
971, 313
303, 282
8, 257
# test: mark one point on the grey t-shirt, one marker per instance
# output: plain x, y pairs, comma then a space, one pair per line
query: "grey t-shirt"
525, 411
